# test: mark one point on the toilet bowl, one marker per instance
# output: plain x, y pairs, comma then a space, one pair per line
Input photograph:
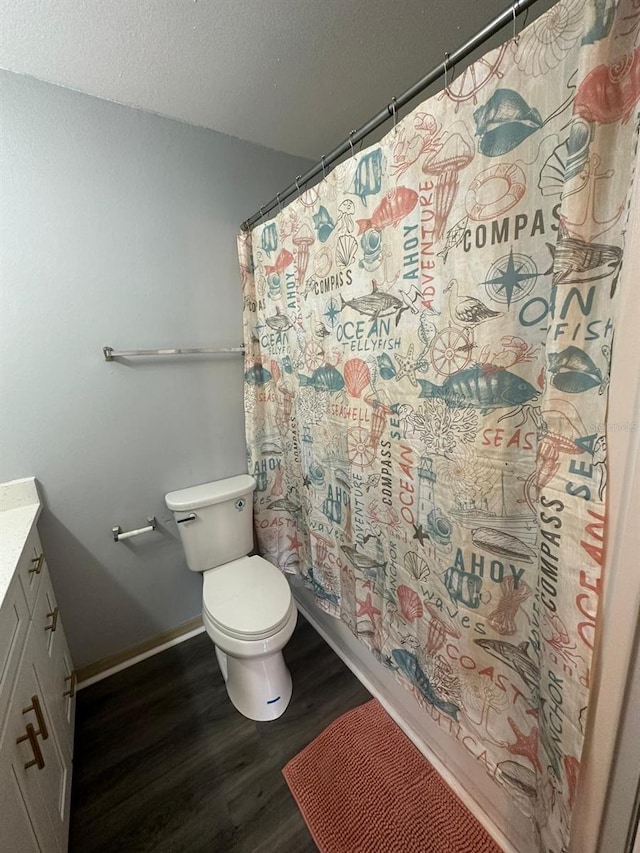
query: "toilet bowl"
249, 613
247, 606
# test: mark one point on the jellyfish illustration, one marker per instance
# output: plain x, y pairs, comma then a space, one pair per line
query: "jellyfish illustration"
440, 627
302, 239
455, 154
345, 223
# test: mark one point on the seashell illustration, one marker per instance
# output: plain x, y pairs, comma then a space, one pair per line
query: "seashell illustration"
610, 92
504, 122
416, 565
323, 223
501, 543
346, 250
386, 367
566, 161
573, 371
543, 45
410, 603
356, 376
316, 474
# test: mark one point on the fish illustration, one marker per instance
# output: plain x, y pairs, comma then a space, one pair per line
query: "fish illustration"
515, 657
501, 543
361, 561
269, 239
573, 261
279, 322
408, 663
376, 304
257, 375
368, 177
573, 371
323, 223
520, 777
282, 262
285, 504
325, 378
394, 206
504, 122
481, 388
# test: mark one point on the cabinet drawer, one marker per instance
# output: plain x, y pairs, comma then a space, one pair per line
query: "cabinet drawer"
14, 624
30, 568
56, 668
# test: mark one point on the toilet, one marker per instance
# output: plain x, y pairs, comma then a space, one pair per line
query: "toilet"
247, 606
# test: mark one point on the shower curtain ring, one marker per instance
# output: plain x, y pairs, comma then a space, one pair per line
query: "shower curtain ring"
446, 59
394, 112
515, 34
351, 142
322, 161
278, 200
297, 184
262, 213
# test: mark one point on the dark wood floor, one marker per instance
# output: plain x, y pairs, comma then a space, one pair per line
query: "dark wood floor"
164, 763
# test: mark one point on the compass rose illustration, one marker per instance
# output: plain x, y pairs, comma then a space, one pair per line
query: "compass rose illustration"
511, 278
331, 313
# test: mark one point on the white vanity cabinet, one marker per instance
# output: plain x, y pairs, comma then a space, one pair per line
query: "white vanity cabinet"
37, 705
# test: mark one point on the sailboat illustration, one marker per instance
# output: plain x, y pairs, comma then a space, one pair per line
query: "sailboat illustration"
471, 514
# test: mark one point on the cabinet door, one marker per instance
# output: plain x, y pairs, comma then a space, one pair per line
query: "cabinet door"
37, 770
54, 662
17, 832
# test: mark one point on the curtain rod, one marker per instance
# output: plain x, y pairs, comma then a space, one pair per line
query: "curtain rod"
509, 15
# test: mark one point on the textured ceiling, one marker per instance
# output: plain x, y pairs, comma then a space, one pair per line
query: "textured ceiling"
295, 75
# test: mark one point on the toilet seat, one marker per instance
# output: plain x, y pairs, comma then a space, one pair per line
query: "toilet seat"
247, 599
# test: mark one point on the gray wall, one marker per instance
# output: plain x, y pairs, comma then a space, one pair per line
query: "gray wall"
117, 228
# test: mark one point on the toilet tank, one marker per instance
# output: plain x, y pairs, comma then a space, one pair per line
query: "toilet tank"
215, 521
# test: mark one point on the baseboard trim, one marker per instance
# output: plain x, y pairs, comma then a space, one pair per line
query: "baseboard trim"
366, 675
94, 672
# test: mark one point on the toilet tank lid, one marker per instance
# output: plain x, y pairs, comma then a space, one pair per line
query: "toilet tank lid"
209, 494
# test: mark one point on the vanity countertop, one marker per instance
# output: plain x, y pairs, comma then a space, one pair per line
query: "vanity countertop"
20, 507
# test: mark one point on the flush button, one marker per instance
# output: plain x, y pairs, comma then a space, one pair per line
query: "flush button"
240, 504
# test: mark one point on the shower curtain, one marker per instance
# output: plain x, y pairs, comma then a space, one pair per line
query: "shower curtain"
428, 337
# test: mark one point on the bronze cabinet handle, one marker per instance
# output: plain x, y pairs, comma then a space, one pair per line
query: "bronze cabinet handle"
37, 710
73, 678
31, 736
54, 620
37, 565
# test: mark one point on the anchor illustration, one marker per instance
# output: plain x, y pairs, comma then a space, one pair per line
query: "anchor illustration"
587, 211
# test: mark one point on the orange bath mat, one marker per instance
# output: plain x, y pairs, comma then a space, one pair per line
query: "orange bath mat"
363, 787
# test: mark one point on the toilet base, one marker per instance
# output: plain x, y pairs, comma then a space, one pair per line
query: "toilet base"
260, 688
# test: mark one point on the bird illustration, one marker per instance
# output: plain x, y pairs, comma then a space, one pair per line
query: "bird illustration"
467, 310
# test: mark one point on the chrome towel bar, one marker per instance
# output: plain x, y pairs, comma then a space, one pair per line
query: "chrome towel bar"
110, 354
